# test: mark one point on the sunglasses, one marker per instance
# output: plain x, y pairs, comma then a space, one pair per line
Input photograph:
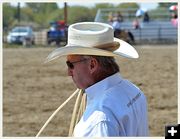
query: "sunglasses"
71, 64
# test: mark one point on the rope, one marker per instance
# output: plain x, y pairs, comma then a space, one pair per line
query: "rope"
74, 114
78, 111
55, 112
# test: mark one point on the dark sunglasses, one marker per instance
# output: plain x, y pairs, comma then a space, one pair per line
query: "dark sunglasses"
71, 64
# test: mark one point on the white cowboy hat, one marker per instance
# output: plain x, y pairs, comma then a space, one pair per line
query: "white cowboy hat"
93, 38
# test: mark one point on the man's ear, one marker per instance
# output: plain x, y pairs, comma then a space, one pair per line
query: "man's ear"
93, 65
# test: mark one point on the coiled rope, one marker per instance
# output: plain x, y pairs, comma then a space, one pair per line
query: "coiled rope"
78, 110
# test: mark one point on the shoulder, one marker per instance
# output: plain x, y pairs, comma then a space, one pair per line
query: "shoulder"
119, 96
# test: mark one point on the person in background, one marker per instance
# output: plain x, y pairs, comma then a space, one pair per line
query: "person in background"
110, 18
119, 16
136, 24
146, 17
174, 20
116, 26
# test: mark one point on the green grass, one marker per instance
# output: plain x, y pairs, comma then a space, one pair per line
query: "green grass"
6, 45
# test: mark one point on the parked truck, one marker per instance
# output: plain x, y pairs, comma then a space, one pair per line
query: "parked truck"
57, 32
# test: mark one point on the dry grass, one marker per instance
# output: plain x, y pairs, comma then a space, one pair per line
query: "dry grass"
33, 90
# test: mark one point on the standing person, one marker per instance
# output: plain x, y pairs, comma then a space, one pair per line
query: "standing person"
116, 24
119, 16
174, 20
146, 17
110, 18
115, 106
136, 24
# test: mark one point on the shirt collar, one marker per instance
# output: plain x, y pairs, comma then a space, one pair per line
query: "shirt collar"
98, 88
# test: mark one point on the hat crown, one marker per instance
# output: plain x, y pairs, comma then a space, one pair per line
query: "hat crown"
93, 38
89, 34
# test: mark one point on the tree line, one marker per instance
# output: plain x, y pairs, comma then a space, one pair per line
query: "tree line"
39, 15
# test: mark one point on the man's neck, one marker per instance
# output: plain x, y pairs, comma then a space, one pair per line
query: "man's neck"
100, 77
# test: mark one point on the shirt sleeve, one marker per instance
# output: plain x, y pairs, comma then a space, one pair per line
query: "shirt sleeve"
103, 129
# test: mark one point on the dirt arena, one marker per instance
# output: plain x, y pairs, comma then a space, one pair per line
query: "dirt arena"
32, 90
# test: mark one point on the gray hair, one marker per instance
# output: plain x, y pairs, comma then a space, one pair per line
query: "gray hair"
108, 65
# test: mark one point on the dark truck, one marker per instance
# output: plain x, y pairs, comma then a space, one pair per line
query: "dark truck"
57, 32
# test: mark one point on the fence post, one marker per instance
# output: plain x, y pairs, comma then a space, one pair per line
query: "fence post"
140, 34
159, 33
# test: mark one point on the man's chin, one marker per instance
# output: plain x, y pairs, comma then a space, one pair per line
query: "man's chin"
78, 85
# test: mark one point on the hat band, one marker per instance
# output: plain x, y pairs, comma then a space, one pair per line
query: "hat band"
109, 46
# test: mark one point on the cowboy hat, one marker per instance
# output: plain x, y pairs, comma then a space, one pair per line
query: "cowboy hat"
93, 38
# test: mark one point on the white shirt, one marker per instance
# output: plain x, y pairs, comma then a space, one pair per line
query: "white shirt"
116, 25
115, 107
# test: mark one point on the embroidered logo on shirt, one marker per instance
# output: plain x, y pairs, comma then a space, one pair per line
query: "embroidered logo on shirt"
134, 99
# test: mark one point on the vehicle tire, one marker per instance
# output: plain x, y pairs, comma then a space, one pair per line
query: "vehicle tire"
49, 42
33, 43
58, 43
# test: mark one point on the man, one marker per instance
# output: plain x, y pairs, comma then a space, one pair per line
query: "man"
115, 106
116, 26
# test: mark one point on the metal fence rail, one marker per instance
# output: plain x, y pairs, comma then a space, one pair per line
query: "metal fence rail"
130, 13
153, 31
158, 29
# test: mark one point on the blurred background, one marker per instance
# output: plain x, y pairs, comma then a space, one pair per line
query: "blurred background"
48, 22
32, 90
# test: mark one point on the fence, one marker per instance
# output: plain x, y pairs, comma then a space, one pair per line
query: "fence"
130, 13
152, 32
41, 37
158, 30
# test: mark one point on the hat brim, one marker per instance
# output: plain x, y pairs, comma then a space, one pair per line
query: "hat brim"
125, 50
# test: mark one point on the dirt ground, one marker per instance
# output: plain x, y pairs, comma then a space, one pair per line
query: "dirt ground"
32, 90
